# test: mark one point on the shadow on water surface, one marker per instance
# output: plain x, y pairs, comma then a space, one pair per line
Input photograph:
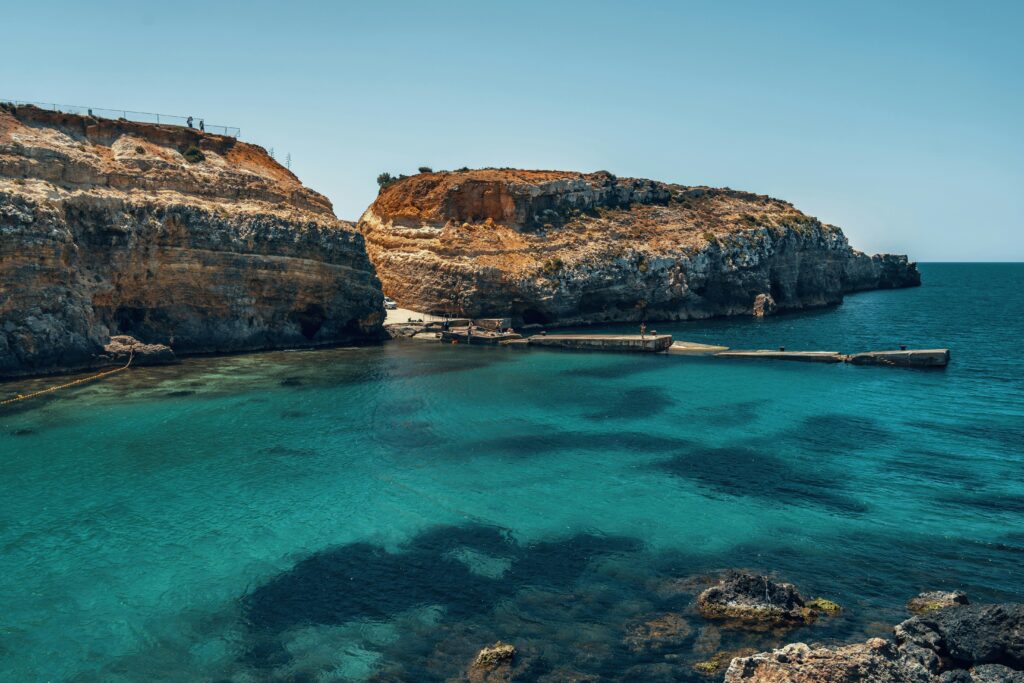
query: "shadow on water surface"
366, 581
834, 433
632, 404
546, 441
739, 471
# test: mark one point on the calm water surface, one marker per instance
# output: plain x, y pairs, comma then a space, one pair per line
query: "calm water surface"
344, 514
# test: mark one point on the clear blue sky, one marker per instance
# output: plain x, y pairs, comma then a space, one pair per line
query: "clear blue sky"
899, 121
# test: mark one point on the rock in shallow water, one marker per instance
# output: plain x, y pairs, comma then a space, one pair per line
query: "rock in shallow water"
957, 644
752, 600
933, 600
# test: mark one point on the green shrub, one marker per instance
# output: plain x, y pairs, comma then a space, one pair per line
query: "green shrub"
425, 169
193, 155
385, 179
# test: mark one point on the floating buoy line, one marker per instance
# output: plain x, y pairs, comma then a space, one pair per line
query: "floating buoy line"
91, 378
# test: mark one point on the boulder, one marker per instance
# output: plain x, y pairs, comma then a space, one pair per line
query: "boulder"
875, 661
753, 600
969, 635
955, 644
933, 600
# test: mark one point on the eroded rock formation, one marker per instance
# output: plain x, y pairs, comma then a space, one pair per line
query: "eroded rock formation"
174, 237
560, 247
956, 644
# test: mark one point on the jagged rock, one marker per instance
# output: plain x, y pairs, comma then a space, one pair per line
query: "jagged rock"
764, 305
561, 247
750, 599
666, 632
933, 600
501, 663
956, 644
970, 634
120, 348
876, 661
492, 655
229, 253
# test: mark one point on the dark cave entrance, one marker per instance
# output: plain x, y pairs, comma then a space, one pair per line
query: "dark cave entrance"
310, 319
532, 316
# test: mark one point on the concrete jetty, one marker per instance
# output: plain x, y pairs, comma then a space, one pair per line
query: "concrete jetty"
805, 356
651, 343
906, 358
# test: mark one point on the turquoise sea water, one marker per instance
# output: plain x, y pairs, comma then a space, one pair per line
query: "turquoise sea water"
332, 515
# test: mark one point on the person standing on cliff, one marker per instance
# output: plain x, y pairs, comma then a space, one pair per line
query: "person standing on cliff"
643, 328
188, 121
202, 126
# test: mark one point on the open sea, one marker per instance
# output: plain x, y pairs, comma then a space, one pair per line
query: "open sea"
384, 512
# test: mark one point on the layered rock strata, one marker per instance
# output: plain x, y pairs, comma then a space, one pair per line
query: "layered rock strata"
561, 247
174, 237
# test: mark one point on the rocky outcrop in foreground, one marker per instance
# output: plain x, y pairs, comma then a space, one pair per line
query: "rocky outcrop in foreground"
754, 601
562, 247
198, 242
957, 644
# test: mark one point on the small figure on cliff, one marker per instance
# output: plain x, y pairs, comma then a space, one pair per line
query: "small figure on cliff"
188, 122
643, 328
202, 126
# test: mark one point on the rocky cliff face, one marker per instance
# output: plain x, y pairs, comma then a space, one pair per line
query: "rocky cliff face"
558, 247
171, 236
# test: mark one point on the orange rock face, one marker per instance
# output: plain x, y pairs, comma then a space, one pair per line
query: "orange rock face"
174, 237
564, 247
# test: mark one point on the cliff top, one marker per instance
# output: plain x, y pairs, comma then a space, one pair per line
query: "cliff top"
71, 153
515, 220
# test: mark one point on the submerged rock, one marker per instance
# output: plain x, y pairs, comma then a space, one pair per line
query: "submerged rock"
955, 644
933, 600
493, 655
562, 247
667, 632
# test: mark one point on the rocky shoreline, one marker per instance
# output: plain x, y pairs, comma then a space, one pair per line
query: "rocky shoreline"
948, 641
206, 245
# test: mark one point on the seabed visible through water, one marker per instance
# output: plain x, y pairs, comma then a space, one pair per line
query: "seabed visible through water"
387, 511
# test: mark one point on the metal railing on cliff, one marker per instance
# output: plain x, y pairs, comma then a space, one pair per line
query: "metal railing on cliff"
137, 116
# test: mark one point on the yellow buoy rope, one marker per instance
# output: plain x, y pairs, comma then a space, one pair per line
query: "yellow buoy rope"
25, 397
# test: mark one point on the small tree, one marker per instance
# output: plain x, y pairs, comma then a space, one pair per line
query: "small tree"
385, 179
426, 169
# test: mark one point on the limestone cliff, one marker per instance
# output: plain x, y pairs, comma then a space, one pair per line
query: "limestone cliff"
560, 247
169, 235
